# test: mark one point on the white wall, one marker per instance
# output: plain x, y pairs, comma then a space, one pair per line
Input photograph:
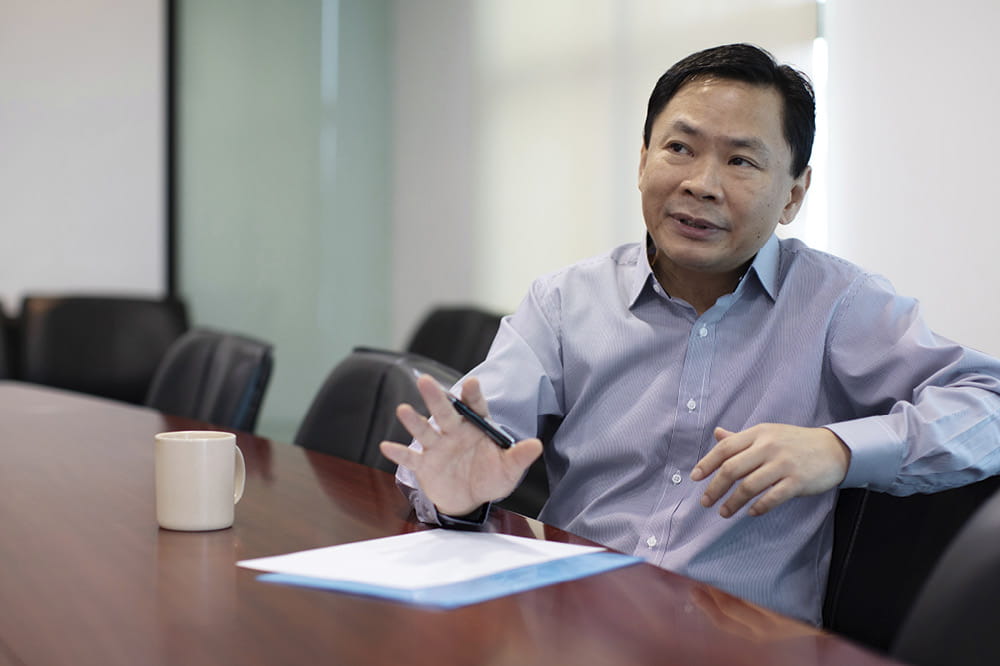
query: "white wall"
914, 139
517, 129
81, 146
433, 165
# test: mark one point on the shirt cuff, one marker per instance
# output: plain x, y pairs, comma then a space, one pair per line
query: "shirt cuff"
876, 452
470, 521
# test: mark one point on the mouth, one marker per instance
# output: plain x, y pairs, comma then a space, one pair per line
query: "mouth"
695, 222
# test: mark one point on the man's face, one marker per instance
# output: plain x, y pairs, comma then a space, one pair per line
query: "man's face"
716, 178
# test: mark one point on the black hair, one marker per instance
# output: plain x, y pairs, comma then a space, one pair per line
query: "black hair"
754, 65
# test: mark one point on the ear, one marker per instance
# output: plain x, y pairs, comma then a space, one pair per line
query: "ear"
642, 162
796, 196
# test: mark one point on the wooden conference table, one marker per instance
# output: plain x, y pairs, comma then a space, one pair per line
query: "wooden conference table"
87, 577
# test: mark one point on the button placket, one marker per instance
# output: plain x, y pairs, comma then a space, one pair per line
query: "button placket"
654, 537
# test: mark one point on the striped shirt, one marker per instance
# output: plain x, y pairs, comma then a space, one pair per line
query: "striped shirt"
639, 381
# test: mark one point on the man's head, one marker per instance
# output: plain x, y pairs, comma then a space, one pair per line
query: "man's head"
724, 161
749, 64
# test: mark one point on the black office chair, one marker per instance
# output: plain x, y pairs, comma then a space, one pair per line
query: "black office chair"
355, 408
213, 376
956, 619
458, 337
6, 371
884, 549
106, 346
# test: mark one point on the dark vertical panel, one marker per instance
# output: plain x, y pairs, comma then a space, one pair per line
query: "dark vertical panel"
171, 10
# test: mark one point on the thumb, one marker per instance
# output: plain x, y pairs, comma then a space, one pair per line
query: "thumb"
522, 454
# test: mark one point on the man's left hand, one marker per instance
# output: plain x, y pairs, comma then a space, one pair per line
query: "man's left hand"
773, 461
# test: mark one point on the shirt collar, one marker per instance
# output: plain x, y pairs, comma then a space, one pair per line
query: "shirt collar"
764, 266
641, 274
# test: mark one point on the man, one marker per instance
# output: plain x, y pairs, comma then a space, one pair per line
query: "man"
713, 365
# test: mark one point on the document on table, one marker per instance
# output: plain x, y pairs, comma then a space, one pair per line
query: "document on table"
437, 567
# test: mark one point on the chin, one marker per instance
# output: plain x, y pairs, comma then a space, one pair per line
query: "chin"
694, 259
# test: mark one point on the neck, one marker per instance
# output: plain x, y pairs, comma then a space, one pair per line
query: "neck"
700, 290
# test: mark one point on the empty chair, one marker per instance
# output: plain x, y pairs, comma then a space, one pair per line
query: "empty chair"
213, 376
955, 619
355, 409
5, 345
106, 346
884, 549
459, 337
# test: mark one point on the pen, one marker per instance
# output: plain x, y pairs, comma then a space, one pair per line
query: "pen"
489, 428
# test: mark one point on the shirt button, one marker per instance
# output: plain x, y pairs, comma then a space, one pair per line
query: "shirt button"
691, 405
703, 332
651, 541
676, 478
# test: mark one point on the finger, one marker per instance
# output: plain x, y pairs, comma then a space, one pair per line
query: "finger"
728, 444
417, 425
437, 402
400, 454
779, 493
721, 433
737, 458
731, 472
523, 454
753, 483
472, 395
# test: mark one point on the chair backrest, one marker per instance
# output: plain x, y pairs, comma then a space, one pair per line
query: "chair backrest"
355, 408
885, 547
956, 618
458, 337
213, 376
106, 346
6, 372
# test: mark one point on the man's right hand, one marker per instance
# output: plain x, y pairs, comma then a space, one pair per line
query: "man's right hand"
459, 468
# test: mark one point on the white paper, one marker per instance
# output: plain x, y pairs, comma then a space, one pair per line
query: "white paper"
419, 559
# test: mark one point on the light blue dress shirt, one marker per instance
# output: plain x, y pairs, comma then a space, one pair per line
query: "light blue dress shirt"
639, 382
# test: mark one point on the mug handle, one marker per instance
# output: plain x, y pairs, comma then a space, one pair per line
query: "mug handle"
240, 475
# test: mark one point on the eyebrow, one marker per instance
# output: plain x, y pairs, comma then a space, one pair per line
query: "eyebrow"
749, 143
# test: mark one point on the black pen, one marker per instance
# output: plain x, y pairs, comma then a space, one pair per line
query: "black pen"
488, 427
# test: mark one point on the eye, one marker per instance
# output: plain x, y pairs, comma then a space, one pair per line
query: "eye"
741, 162
678, 148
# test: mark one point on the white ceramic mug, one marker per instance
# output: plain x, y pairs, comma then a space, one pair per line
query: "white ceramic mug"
200, 477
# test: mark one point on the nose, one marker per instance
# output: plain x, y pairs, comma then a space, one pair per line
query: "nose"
703, 180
